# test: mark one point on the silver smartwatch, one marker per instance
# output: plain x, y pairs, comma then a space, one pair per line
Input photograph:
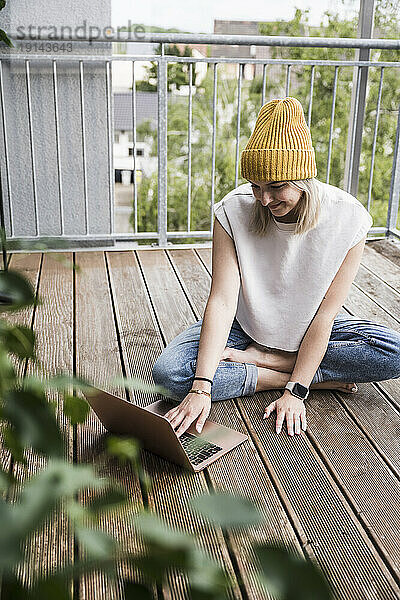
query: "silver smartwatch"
297, 389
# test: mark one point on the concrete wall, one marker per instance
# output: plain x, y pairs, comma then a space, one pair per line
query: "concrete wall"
22, 186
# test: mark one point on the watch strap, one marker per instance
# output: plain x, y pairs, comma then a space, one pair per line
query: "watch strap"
291, 386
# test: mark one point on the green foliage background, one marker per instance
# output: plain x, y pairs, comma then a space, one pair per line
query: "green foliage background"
387, 25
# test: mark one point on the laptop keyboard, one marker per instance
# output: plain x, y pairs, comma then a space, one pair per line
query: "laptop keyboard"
197, 448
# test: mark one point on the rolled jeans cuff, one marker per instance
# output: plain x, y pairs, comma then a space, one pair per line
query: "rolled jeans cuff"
250, 383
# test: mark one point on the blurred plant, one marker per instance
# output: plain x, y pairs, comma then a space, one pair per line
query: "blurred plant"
29, 424
3, 36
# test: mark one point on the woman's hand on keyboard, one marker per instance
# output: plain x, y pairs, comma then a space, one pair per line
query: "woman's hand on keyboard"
192, 407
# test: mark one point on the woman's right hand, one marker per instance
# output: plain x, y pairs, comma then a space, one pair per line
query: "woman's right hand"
193, 406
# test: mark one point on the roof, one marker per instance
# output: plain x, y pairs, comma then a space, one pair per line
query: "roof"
146, 109
234, 28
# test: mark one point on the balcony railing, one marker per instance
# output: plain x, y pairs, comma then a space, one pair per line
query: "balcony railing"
30, 69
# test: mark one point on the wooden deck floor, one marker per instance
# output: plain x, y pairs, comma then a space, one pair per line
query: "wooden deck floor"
332, 494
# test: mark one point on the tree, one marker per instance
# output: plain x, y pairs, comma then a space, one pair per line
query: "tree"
333, 26
176, 72
388, 27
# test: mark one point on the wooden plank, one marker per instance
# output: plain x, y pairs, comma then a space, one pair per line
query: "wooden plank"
52, 546
388, 248
141, 345
325, 513
53, 326
367, 476
98, 360
379, 292
384, 261
360, 304
377, 418
381, 267
29, 266
387, 271
378, 415
343, 548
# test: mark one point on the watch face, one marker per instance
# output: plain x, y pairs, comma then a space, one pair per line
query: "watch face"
299, 389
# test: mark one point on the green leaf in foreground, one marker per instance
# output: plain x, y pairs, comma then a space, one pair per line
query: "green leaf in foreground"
76, 409
289, 577
126, 449
64, 381
12, 443
28, 413
12, 589
4, 38
136, 591
140, 385
226, 510
154, 530
107, 500
16, 292
207, 579
18, 340
165, 548
49, 589
39, 497
7, 371
97, 544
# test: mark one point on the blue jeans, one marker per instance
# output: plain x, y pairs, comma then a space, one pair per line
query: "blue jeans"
358, 351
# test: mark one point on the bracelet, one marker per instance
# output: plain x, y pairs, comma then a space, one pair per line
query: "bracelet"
200, 392
204, 379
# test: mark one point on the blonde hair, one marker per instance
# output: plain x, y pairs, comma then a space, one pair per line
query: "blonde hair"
307, 208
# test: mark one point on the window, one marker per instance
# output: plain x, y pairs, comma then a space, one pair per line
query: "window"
139, 151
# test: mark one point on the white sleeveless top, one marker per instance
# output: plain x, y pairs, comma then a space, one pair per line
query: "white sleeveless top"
284, 276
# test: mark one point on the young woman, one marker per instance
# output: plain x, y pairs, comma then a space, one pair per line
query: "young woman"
286, 249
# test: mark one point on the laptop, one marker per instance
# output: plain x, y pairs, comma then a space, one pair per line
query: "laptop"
191, 449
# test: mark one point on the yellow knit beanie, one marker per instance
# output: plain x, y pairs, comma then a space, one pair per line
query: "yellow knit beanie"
280, 147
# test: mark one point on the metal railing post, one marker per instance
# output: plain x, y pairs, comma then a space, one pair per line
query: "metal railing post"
110, 139
133, 98
3, 233
239, 93
358, 97
2, 219
394, 194
162, 151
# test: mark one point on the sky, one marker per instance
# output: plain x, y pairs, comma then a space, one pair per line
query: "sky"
198, 16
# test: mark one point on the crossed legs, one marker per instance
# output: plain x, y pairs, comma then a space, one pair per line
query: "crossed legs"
274, 368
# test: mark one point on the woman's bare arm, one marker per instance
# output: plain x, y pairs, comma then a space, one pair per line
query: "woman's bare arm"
315, 341
221, 305
217, 322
